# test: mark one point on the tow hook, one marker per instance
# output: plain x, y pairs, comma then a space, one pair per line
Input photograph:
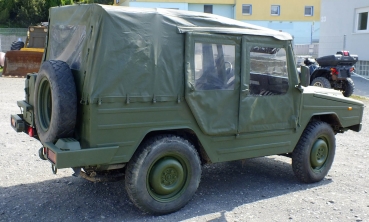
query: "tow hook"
41, 154
54, 169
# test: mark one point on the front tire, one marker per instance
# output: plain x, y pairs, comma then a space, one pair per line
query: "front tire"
321, 82
314, 153
348, 87
163, 174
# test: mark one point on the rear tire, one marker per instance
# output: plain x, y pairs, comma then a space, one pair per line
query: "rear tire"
348, 87
163, 174
55, 102
321, 82
314, 153
17, 45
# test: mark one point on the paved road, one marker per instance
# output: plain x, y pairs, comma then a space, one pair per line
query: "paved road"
361, 85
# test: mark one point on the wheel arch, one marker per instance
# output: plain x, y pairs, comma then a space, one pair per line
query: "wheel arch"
330, 118
185, 133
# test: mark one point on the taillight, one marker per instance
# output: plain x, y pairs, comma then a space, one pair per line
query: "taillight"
334, 71
31, 132
352, 69
51, 155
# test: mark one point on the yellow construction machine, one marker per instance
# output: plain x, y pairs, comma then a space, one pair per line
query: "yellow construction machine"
26, 57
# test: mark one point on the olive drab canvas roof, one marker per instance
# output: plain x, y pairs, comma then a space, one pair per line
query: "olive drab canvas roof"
118, 52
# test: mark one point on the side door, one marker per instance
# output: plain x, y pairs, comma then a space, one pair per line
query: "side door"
212, 81
268, 99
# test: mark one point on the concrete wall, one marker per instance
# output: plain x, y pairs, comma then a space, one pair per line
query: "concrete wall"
9, 35
180, 6
338, 19
301, 31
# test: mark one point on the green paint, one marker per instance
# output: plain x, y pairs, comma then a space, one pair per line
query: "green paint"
139, 71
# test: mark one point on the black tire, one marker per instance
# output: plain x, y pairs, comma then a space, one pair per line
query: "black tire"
314, 153
163, 174
321, 82
55, 102
17, 45
348, 87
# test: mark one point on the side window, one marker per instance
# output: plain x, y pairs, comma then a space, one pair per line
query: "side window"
214, 66
268, 71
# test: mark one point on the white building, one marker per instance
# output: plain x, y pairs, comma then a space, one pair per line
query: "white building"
344, 25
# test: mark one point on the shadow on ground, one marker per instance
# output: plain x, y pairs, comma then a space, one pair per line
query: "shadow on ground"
223, 187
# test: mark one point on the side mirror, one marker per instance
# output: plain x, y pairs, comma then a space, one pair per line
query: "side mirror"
305, 76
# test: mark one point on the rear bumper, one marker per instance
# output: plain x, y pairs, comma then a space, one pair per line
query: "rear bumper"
61, 155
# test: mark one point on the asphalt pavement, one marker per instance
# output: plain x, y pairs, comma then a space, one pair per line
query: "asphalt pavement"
361, 85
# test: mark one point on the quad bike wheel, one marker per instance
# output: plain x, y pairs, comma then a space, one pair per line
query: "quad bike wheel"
348, 87
321, 82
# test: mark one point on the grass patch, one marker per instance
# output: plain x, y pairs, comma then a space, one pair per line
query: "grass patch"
362, 98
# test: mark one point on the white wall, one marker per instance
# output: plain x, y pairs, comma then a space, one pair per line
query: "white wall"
302, 32
180, 6
338, 19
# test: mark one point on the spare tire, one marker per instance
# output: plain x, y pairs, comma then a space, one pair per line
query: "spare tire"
55, 102
17, 45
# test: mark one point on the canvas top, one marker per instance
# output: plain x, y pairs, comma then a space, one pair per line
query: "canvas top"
117, 51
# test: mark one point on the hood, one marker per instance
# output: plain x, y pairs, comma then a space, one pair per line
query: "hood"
330, 94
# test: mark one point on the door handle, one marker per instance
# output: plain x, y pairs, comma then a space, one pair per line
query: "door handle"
245, 89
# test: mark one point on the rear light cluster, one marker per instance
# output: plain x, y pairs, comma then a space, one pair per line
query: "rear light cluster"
31, 131
352, 69
334, 71
51, 155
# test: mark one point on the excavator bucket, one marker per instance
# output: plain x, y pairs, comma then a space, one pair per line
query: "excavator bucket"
19, 63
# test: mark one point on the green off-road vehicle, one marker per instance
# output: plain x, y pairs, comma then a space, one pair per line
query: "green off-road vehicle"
153, 94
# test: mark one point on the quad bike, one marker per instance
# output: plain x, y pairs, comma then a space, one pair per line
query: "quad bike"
333, 71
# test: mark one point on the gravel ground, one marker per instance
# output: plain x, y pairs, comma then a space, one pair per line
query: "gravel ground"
260, 189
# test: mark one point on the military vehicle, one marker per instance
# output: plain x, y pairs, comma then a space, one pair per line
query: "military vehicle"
153, 94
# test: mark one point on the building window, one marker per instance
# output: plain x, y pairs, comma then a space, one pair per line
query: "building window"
362, 19
208, 9
117, 1
309, 10
246, 9
275, 10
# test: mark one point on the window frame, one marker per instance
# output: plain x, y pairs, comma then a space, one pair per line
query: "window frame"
357, 12
250, 82
312, 10
208, 7
250, 7
278, 10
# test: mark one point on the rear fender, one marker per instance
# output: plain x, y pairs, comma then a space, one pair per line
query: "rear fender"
320, 73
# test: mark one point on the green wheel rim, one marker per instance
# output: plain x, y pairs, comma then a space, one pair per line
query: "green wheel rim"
44, 104
319, 154
167, 178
